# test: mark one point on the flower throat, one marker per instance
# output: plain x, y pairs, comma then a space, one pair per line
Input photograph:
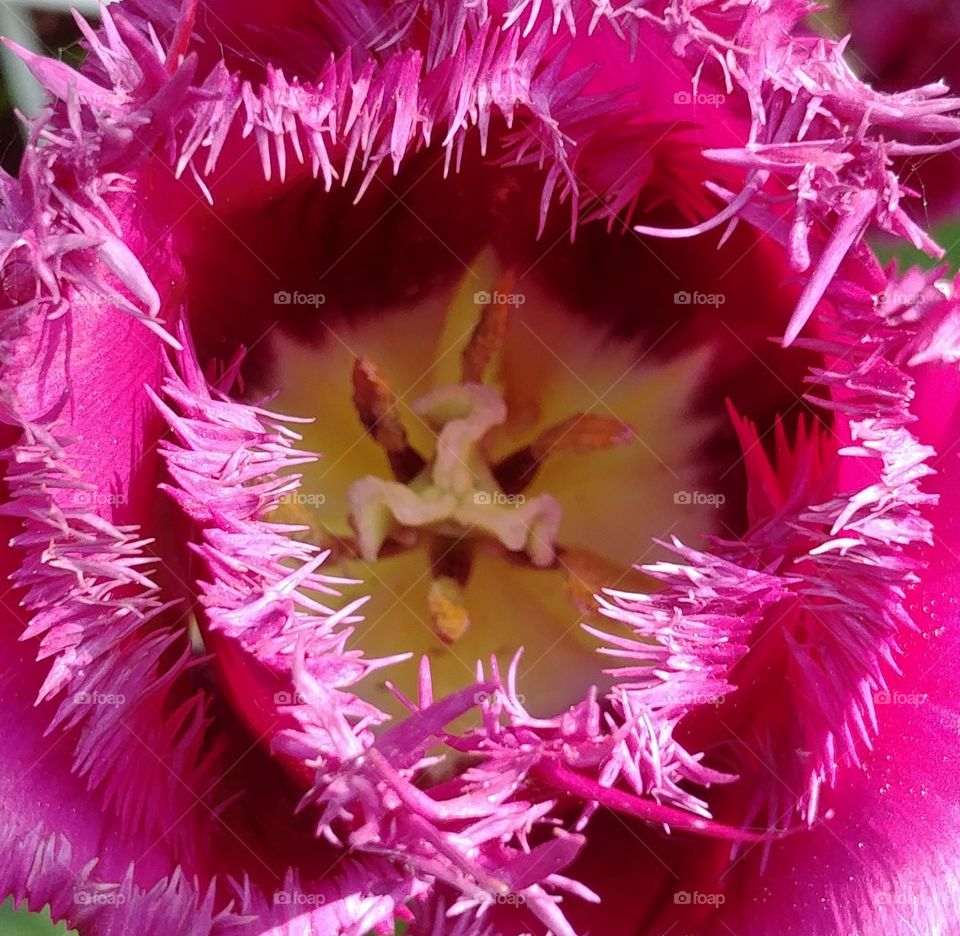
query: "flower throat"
476, 487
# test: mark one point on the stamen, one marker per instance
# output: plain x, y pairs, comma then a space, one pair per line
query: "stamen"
376, 406
583, 433
587, 574
579, 434
486, 341
447, 608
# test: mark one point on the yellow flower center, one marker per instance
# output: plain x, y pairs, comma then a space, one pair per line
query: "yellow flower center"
491, 461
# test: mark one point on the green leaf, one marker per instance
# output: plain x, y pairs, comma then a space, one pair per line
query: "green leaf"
947, 235
24, 923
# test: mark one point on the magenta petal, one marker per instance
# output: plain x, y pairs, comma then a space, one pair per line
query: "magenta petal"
233, 779
886, 858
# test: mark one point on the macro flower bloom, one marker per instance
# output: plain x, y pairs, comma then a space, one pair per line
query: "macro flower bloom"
914, 43
411, 519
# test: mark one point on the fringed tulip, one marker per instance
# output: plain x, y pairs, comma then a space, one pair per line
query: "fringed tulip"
412, 522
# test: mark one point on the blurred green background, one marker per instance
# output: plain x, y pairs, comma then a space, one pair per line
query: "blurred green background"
22, 923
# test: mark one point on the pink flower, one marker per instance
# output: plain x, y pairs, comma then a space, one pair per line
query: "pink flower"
522, 266
913, 43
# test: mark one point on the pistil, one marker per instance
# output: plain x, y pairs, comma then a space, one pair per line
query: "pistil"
456, 494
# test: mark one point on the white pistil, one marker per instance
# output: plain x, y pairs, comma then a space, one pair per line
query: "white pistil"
456, 494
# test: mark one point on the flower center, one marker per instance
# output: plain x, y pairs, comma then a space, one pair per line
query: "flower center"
460, 495
501, 462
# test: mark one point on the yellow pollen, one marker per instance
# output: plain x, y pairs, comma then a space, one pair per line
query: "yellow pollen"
445, 604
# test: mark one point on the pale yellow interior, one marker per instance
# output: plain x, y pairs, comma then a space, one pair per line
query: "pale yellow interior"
554, 363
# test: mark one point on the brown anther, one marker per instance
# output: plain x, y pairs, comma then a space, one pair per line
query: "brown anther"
582, 433
448, 615
376, 406
486, 341
578, 434
587, 574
